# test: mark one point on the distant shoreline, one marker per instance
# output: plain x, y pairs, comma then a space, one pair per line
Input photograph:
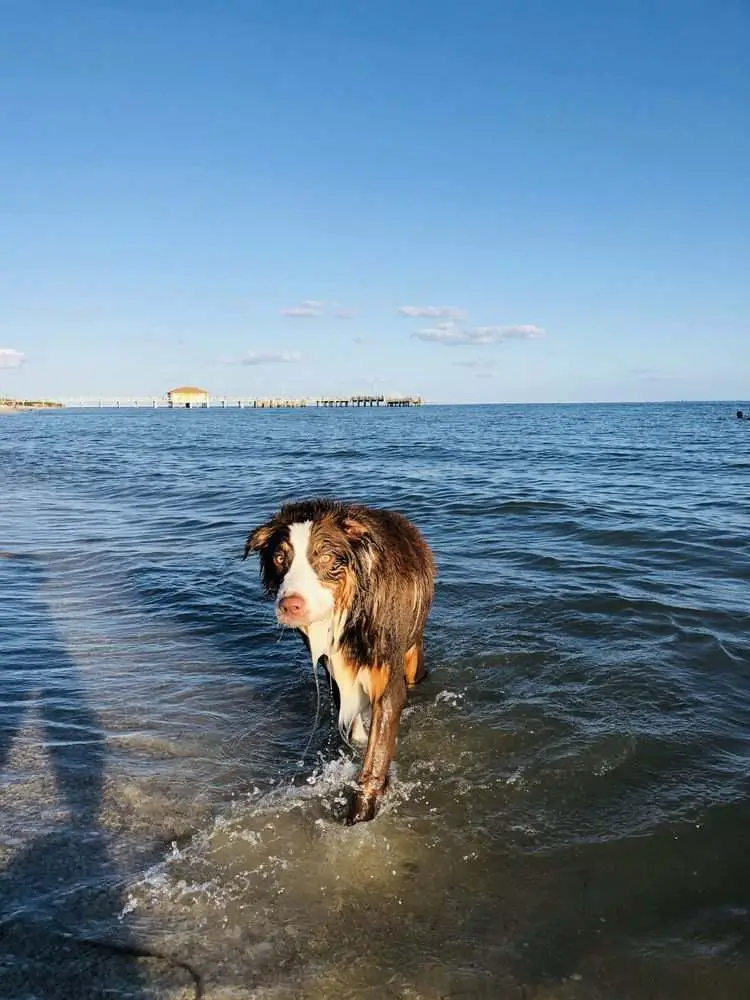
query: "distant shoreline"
22, 405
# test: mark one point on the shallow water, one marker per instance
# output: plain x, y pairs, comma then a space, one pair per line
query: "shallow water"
568, 813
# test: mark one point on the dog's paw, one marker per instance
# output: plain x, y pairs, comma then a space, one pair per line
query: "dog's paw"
363, 808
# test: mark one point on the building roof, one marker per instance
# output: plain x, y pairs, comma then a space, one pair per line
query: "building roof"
190, 389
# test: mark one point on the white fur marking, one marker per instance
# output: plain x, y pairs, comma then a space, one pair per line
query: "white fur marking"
353, 697
359, 733
324, 632
320, 637
301, 578
417, 601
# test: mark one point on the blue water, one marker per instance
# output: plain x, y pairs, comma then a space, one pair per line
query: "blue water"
568, 817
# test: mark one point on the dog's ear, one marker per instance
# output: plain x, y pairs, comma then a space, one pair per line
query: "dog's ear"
258, 538
355, 528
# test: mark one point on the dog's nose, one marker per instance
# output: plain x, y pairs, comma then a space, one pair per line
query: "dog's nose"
292, 604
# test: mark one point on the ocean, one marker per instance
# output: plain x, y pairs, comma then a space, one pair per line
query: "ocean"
568, 817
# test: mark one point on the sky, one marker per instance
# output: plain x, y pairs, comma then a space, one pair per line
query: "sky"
494, 201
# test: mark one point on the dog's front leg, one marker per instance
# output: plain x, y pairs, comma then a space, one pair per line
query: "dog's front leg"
381, 745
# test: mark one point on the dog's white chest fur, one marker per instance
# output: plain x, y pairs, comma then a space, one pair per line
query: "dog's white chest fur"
323, 638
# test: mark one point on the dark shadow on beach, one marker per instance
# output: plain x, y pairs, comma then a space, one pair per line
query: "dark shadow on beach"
60, 892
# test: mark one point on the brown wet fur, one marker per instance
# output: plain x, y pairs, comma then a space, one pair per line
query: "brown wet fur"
381, 746
375, 680
414, 669
345, 589
382, 573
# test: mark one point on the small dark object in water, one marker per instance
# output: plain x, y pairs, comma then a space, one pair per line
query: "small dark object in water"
740, 415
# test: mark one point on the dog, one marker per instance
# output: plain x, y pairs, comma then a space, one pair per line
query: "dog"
357, 583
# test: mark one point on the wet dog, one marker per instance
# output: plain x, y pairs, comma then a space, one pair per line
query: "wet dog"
357, 583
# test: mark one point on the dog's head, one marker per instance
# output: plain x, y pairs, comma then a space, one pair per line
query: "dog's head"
310, 557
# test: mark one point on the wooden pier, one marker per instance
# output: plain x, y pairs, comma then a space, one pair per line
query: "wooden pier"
370, 401
237, 402
403, 401
157, 402
350, 401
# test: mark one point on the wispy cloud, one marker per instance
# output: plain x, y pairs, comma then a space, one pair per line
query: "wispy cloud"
450, 334
266, 358
305, 310
432, 312
482, 367
11, 358
315, 308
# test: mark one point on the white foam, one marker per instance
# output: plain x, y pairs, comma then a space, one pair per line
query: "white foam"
451, 698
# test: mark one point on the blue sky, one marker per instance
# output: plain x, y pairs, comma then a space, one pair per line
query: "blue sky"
503, 200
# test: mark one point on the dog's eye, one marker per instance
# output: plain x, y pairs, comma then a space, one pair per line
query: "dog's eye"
278, 558
326, 558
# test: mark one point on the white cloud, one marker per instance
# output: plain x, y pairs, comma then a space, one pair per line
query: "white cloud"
11, 358
482, 367
308, 308
523, 331
267, 358
315, 308
432, 312
450, 335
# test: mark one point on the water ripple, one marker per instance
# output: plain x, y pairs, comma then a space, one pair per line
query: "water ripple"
588, 704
